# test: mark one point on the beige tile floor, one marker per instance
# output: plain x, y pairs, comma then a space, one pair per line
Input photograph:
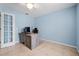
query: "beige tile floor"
44, 49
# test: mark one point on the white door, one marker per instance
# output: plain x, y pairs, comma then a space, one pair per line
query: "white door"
7, 30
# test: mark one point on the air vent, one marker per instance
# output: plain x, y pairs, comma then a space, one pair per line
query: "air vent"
26, 13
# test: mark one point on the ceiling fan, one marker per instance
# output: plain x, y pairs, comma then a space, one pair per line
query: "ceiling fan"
31, 6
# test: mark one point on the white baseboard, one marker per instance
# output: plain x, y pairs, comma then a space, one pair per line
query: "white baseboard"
59, 43
16, 42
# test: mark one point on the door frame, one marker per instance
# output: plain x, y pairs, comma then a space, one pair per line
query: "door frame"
2, 30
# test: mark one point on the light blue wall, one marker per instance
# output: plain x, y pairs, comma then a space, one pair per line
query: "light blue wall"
21, 20
58, 26
78, 26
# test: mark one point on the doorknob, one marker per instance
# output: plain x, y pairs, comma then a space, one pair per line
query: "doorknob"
0, 28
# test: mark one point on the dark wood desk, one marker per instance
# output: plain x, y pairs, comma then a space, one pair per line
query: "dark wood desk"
28, 39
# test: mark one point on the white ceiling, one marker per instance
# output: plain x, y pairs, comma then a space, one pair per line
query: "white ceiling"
44, 8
